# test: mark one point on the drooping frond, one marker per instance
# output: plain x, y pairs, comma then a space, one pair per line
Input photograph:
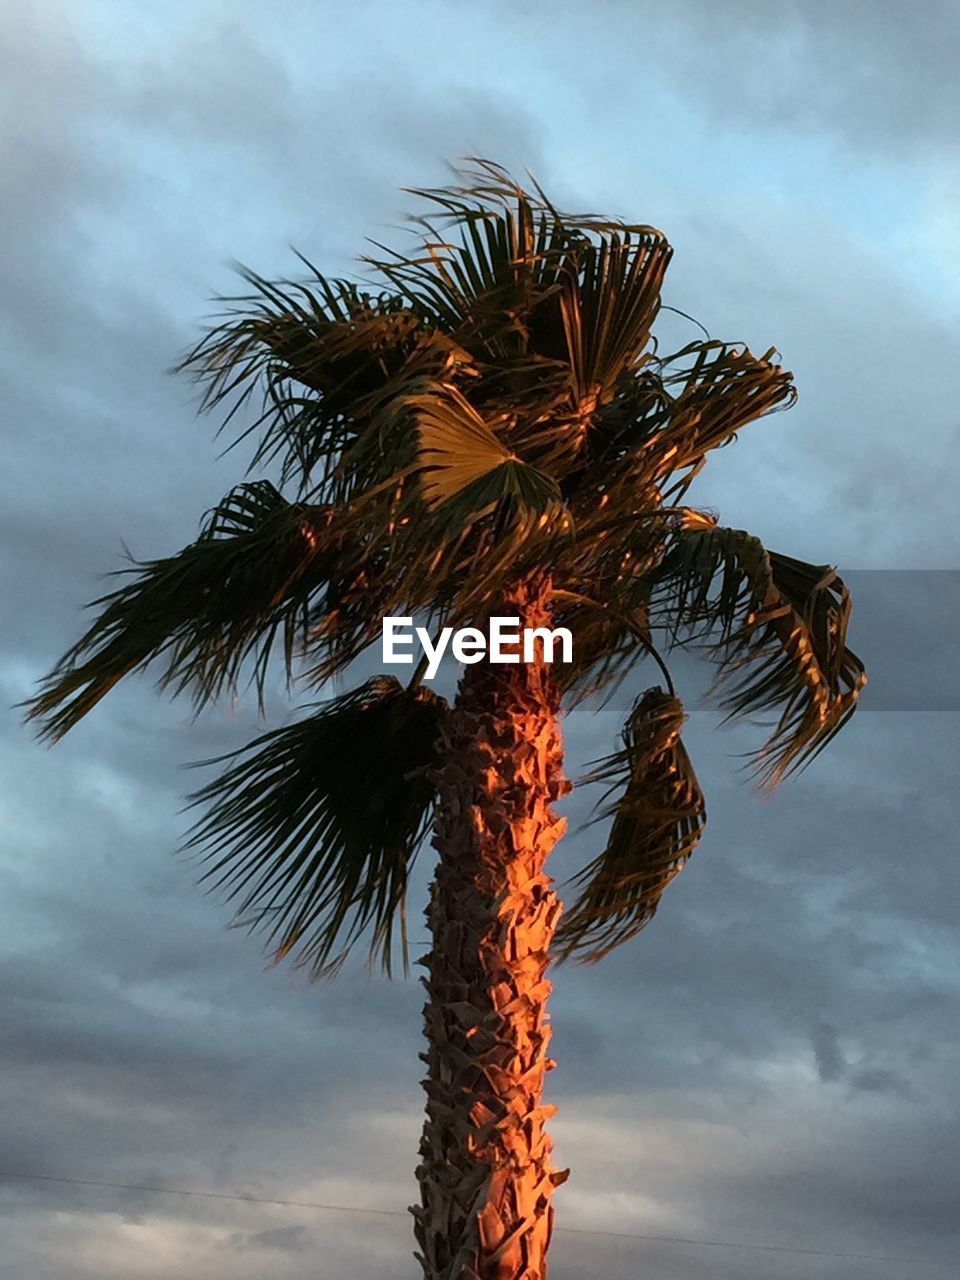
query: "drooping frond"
245, 583
779, 635
311, 833
610, 643
658, 817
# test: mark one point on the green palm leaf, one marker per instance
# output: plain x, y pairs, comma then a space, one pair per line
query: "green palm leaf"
312, 832
320, 353
245, 582
658, 818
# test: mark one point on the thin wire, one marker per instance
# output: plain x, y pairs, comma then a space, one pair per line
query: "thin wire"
397, 1213
204, 1195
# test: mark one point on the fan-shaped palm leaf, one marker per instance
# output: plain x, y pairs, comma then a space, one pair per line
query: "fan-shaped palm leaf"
463, 463
312, 832
247, 580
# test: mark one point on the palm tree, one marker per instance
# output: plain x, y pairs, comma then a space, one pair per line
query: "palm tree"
489, 431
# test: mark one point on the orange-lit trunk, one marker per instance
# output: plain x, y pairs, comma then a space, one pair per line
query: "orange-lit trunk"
485, 1175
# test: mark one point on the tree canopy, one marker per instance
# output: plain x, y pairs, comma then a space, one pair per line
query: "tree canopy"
492, 405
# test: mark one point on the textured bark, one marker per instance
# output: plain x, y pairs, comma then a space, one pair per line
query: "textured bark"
485, 1176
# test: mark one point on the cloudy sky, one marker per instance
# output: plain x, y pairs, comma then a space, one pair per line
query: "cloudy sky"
771, 1069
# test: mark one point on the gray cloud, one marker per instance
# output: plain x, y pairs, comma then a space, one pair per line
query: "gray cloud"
859, 71
831, 1063
296, 1239
863, 74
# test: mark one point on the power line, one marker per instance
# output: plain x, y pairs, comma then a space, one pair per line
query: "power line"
203, 1195
398, 1213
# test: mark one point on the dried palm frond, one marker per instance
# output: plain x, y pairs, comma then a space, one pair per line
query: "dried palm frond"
658, 817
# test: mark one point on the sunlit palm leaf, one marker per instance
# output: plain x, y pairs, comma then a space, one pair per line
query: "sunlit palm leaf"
457, 448
715, 389
658, 817
312, 832
781, 642
460, 457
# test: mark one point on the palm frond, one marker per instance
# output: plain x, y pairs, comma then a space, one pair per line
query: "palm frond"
609, 306
311, 833
658, 817
781, 641
462, 460
610, 643
525, 279
319, 352
245, 583
709, 391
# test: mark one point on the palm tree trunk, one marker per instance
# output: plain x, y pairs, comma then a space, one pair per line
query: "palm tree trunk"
485, 1177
